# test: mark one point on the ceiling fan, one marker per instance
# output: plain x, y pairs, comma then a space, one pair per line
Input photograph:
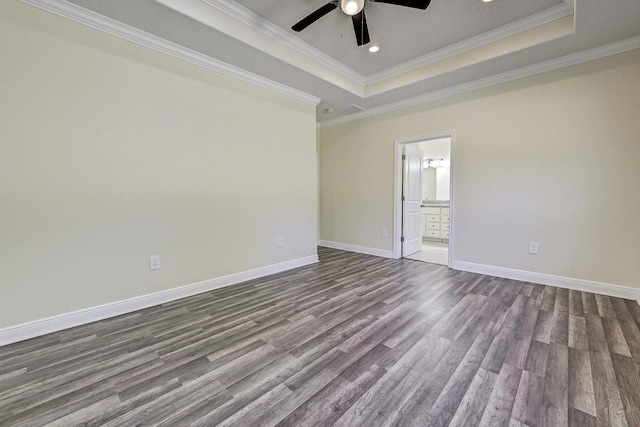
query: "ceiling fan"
355, 9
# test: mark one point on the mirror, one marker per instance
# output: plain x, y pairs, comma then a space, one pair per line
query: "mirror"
436, 169
429, 184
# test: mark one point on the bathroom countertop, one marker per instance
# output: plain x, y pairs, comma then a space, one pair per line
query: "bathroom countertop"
435, 204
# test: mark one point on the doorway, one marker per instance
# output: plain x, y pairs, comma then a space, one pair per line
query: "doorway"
436, 206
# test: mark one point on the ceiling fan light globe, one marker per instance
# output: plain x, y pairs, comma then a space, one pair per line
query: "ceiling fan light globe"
351, 7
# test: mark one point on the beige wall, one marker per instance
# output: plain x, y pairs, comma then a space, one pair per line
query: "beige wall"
553, 158
111, 152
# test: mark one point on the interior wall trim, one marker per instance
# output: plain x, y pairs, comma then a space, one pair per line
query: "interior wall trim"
544, 17
548, 279
397, 189
258, 23
63, 321
110, 26
508, 76
355, 248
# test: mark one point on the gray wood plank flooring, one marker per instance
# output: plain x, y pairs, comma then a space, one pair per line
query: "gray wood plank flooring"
355, 340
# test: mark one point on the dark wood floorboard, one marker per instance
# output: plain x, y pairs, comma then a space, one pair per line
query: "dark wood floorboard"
355, 340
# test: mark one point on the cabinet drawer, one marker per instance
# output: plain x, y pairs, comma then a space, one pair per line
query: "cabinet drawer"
432, 211
432, 233
433, 226
433, 218
444, 227
445, 211
444, 234
444, 218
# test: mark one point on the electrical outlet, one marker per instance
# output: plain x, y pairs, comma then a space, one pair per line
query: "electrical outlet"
280, 242
385, 233
154, 262
533, 247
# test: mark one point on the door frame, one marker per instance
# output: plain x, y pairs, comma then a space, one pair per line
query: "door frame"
397, 191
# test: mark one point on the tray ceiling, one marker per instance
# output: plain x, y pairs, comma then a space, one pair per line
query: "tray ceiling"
451, 47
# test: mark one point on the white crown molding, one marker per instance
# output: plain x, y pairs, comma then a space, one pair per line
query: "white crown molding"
518, 73
532, 21
60, 322
355, 248
548, 279
92, 19
257, 22
247, 17
95, 20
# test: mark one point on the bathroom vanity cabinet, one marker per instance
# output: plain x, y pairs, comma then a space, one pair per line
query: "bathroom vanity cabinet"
435, 220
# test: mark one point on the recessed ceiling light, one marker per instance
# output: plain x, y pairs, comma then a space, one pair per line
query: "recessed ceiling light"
487, 1
374, 49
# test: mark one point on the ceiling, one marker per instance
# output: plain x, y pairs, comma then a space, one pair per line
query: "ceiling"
451, 47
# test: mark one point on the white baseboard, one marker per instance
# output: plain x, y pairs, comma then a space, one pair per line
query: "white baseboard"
356, 248
548, 279
60, 322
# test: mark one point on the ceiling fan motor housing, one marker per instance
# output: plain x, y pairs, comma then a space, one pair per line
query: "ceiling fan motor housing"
355, 9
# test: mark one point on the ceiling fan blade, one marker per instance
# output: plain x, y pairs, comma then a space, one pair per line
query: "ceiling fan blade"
360, 28
313, 17
418, 4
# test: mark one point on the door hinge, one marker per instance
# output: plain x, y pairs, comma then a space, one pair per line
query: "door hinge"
403, 198
402, 239
404, 157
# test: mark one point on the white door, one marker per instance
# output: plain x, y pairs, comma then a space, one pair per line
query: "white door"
411, 200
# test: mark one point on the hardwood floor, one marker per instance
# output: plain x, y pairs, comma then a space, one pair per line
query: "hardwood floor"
354, 340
